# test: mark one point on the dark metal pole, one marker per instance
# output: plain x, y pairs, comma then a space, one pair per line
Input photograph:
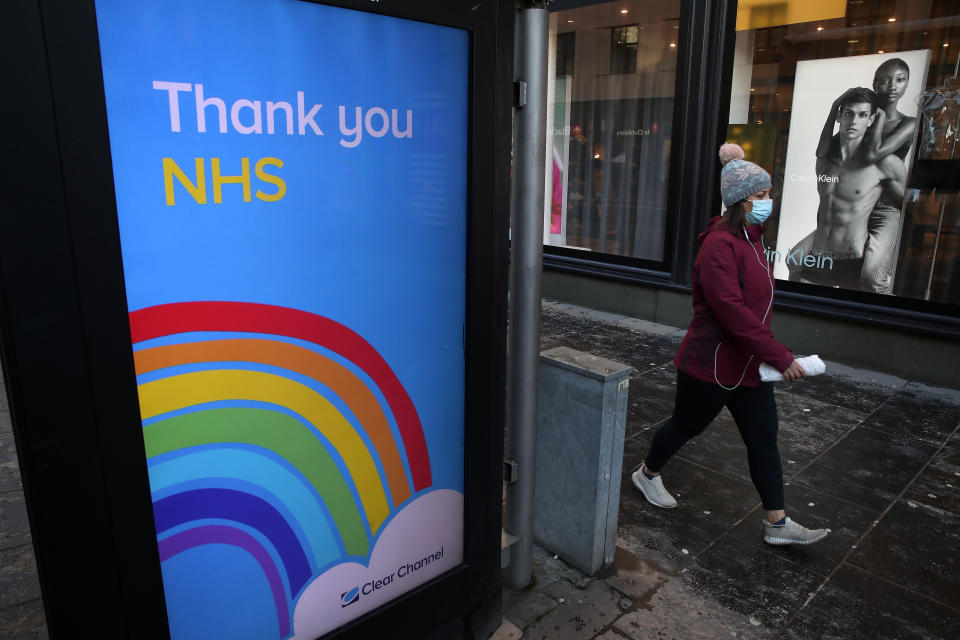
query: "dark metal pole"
526, 264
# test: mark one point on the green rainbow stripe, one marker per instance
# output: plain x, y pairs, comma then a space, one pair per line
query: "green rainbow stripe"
163, 396
346, 386
276, 432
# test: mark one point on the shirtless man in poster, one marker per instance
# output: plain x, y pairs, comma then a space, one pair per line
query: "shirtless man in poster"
849, 186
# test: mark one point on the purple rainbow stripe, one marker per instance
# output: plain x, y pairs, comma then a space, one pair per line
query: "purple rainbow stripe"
219, 534
227, 504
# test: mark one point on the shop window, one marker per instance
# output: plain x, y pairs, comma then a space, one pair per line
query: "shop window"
566, 48
623, 49
854, 109
611, 116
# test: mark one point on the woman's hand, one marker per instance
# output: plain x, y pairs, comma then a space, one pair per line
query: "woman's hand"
794, 372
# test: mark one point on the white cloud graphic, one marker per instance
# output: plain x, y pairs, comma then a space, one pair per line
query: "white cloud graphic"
421, 542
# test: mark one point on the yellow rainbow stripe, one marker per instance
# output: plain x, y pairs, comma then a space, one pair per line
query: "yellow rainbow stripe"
169, 394
341, 381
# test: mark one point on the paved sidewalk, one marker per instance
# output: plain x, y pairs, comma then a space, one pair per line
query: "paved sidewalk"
874, 458
21, 609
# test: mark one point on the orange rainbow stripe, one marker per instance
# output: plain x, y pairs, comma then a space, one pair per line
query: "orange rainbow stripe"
340, 380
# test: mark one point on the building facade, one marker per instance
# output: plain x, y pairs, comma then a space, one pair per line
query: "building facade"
853, 106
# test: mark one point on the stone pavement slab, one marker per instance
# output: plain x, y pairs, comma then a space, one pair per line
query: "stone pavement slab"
915, 546
24, 621
919, 412
507, 631
678, 611
9, 465
758, 583
637, 578
21, 609
844, 386
14, 525
650, 400
868, 467
18, 576
580, 613
938, 485
526, 606
855, 605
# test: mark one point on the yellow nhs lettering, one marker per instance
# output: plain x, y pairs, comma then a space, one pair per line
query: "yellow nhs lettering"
197, 187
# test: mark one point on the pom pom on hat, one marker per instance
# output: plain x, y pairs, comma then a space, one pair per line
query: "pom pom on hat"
730, 151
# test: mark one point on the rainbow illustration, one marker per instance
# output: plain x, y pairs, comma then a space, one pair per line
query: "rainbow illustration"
274, 433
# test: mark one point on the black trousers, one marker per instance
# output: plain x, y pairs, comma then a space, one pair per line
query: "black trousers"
755, 412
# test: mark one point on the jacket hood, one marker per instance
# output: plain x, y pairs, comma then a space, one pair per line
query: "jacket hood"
712, 226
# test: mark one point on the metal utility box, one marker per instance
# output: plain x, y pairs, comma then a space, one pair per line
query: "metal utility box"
580, 432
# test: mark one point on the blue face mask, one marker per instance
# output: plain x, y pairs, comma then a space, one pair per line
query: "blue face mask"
761, 211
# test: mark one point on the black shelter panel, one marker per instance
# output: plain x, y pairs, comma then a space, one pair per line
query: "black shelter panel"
250, 282
69, 395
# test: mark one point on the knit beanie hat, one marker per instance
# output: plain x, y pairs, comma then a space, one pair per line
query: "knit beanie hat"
739, 178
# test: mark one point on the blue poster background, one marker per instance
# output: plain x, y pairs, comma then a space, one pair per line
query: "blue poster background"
372, 237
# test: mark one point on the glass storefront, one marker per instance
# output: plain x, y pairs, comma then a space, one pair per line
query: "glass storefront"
853, 107
613, 69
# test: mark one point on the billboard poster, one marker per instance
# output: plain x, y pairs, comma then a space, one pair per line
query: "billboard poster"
556, 220
852, 137
291, 187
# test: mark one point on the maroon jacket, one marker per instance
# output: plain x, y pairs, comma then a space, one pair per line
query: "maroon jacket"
732, 290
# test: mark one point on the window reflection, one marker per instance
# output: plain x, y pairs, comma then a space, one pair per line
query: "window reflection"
613, 75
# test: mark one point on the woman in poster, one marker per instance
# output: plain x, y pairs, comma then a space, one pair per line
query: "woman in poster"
892, 132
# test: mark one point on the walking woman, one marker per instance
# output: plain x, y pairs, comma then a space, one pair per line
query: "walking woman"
728, 338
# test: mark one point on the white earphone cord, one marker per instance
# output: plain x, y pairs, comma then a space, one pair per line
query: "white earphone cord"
765, 314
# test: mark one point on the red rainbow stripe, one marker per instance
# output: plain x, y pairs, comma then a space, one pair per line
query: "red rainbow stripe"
184, 317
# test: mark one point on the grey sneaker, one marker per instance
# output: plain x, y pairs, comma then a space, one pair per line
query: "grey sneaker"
791, 533
653, 490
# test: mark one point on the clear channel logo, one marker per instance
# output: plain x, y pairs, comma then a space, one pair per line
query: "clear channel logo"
349, 597
404, 570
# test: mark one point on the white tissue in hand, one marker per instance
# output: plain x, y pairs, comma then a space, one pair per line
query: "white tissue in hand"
812, 365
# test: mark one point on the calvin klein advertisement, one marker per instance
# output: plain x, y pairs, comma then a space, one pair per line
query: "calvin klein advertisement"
851, 145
